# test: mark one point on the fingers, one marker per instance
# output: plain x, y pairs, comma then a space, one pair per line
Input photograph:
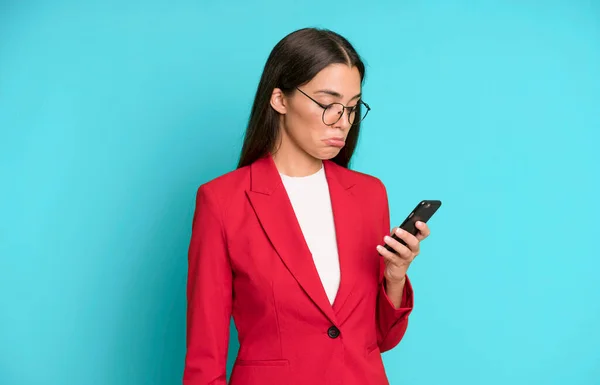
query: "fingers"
412, 242
408, 245
423, 230
398, 248
391, 257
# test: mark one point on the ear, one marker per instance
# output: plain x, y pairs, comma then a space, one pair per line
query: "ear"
278, 101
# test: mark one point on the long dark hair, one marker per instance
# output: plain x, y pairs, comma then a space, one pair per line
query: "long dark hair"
294, 61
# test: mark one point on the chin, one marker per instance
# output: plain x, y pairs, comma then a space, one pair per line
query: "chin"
326, 154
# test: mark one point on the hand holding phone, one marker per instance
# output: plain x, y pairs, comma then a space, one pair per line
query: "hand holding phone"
422, 212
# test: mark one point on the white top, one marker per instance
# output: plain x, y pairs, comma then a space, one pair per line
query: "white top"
310, 199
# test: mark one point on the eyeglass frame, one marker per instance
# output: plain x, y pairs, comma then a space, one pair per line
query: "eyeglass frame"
326, 106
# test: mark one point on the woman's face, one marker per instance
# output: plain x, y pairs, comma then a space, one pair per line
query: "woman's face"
303, 128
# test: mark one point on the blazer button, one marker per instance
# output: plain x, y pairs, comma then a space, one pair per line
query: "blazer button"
333, 332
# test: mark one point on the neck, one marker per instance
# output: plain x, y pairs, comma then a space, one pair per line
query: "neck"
291, 160
291, 165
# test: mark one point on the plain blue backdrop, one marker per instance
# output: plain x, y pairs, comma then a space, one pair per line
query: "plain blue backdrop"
112, 113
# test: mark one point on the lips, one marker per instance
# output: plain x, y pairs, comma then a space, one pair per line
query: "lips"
335, 142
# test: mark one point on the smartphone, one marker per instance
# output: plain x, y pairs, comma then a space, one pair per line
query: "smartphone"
422, 212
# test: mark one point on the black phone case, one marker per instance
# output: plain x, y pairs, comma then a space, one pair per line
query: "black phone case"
422, 212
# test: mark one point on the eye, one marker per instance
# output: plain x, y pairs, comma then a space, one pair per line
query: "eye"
326, 101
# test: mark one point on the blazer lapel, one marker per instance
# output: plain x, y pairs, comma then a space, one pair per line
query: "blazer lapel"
276, 215
347, 214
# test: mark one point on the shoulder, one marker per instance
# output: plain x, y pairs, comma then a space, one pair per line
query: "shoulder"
360, 180
223, 187
370, 193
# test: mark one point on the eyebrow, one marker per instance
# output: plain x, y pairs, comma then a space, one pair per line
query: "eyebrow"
335, 94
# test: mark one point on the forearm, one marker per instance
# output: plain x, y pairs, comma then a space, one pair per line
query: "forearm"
395, 291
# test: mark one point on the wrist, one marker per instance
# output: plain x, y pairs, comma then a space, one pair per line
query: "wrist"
395, 284
396, 281
394, 290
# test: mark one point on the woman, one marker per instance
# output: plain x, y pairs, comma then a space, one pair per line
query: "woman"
289, 244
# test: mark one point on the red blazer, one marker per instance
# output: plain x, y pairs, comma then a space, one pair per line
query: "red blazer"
248, 258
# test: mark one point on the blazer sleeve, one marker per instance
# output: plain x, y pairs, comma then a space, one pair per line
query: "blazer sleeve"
209, 295
391, 321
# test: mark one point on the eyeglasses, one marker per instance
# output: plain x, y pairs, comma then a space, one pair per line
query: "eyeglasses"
334, 111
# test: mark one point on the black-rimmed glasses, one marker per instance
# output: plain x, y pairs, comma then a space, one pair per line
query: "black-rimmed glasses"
334, 111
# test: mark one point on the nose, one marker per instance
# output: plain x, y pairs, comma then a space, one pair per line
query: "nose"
343, 122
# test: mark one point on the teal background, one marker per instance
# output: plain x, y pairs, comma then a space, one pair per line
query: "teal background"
112, 113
